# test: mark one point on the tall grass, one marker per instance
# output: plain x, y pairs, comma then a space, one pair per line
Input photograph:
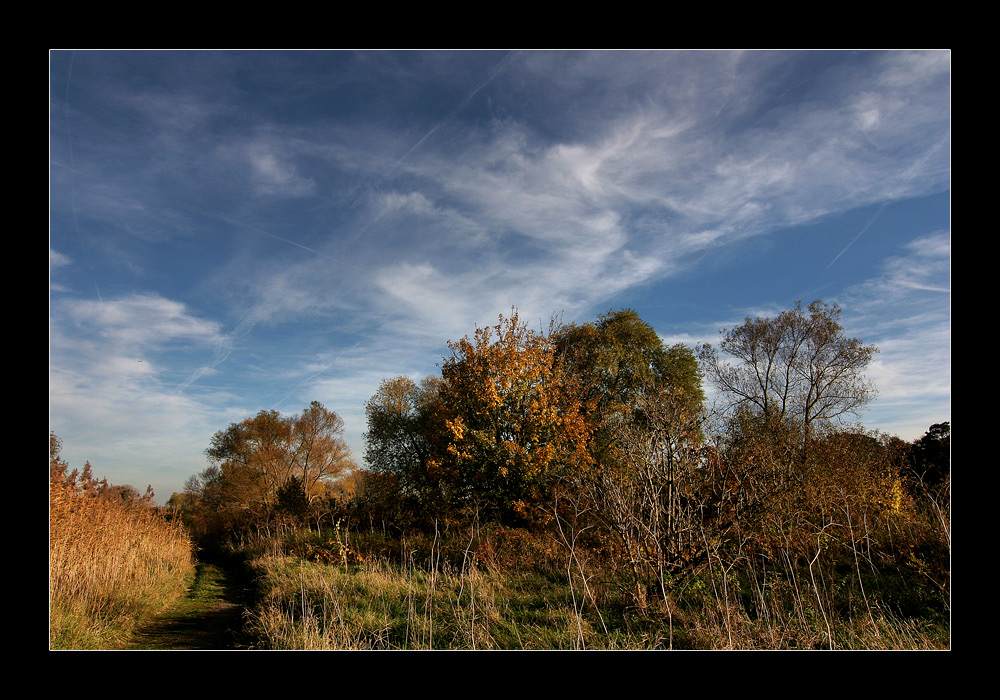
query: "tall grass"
496, 591
427, 598
793, 606
381, 606
112, 564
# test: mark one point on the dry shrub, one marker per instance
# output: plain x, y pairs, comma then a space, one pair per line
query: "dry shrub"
504, 549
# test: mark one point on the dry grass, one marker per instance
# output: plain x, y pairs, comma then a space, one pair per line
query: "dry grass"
437, 599
500, 592
379, 606
111, 564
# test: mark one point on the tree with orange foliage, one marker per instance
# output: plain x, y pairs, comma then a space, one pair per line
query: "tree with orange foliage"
255, 458
512, 419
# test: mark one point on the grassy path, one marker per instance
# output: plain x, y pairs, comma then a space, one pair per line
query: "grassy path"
209, 617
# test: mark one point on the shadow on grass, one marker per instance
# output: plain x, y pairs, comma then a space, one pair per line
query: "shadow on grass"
209, 617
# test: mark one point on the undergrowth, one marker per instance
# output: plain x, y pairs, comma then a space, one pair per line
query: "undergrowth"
510, 590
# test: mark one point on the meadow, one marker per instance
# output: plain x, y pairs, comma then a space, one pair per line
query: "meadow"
499, 588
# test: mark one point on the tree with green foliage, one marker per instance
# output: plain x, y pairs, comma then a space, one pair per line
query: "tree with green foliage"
930, 456
399, 436
619, 361
404, 444
291, 499
645, 407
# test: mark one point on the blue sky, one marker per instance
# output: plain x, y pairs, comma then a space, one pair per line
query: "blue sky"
232, 231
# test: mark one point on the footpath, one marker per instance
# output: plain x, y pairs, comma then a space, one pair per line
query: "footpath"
209, 617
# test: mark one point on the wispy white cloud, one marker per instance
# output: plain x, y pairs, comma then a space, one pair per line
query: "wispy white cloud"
502, 217
113, 395
115, 353
906, 312
57, 259
139, 321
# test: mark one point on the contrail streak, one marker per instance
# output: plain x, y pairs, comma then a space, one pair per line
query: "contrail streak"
461, 105
72, 179
867, 226
222, 350
909, 175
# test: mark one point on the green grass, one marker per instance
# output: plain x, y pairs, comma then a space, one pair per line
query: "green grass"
107, 623
381, 605
208, 617
308, 605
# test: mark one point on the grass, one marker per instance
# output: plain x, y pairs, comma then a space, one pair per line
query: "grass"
208, 617
456, 597
379, 605
429, 595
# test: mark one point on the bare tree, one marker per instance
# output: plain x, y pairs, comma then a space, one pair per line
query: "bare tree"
796, 366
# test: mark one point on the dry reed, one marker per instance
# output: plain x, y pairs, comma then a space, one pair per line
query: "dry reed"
111, 564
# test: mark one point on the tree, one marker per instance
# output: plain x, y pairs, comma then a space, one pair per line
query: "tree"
181, 502
795, 367
404, 444
645, 406
255, 458
930, 456
320, 453
399, 439
620, 362
511, 418
291, 498
648, 490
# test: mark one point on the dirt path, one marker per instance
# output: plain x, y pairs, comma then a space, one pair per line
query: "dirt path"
209, 617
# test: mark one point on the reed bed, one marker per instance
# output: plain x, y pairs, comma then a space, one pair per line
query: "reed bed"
112, 564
